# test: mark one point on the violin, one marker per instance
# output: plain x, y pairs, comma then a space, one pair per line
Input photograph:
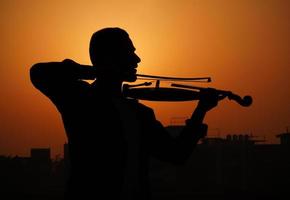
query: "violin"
177, 92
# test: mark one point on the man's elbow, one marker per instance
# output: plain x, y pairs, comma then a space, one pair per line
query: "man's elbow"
35, 74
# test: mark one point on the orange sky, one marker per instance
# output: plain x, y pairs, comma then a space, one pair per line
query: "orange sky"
244, 45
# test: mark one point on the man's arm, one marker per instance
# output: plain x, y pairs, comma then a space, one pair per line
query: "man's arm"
59, 78
178, 150
174, 150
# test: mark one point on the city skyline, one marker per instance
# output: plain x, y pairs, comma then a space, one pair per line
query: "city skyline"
62, 152
217, 168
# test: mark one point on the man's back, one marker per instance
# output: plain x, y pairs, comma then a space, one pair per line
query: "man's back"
98, 145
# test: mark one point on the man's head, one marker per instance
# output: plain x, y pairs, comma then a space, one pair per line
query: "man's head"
113, 50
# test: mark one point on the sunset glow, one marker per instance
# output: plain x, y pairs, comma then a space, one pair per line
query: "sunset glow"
243, 45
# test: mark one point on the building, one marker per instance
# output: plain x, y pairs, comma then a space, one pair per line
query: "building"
237, 166
40, 161
284, 138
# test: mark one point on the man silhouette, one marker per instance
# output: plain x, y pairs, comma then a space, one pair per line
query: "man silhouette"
111, 137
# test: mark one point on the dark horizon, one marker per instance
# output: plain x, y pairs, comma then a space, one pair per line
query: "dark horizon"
218, 169
260, 140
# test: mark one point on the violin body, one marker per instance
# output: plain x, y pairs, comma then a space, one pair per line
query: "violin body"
161, 94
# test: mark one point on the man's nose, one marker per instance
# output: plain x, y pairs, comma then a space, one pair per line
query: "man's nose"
137, 58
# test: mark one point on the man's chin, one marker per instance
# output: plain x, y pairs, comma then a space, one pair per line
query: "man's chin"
130, 78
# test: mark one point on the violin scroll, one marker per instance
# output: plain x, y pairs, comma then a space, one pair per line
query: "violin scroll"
245, 101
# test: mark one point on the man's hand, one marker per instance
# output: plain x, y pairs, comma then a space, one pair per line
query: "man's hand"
209, 98
81, 71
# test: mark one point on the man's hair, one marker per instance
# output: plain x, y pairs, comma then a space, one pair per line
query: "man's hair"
106, 43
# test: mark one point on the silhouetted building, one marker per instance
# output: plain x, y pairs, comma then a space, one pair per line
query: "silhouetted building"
235, 166
30, 177
40, 154
65, 152
284, 138
40, 161
66, 161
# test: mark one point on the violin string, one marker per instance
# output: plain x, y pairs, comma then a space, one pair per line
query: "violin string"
152, 79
